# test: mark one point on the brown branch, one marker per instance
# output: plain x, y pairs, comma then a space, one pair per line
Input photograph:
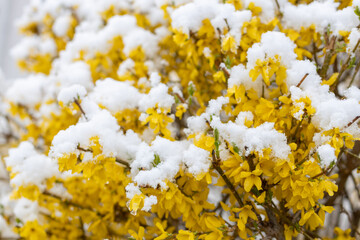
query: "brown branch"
357, 68
71, 203
278, 6
81, 109
123, 162
354, 120
302, 80
328, 57
216, 165
344, 66
180, 97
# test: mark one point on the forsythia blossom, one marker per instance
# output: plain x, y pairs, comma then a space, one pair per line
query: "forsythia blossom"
195, 119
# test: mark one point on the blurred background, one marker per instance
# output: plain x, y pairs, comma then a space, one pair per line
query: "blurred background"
10, 10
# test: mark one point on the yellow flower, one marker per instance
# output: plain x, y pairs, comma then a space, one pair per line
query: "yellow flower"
180, 110
228, 44
303, 104
98, 228
180, 38
219, 77
289, 232
33, 231
343, 235
185, 235
244, 213
314, 220
136, 202
164, 234
159, 120
206, 30
331, 80
251, 178
205, 142
139, 235
267, 68
67, 162
265, 109
254, 9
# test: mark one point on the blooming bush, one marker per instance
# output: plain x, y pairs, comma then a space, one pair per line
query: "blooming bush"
204, 119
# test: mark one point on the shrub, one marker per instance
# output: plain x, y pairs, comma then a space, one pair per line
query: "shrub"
183, 119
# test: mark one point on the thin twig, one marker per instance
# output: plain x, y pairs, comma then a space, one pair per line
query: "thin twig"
81, 109
357, 68
216, 165
354, 120
123, 162
302, 80
328, 57
344, 66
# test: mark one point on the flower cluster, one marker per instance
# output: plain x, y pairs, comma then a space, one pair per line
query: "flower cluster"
183, 119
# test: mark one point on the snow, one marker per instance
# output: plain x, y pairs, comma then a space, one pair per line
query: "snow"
100, 124
6, 231
148, 202
159, 96
115, 95
272, 44
33, 44
29, 91
353, 92
322, 14
172, 156
61, 26
126, 66
30, 166
354, 37
189, 17
92, 42
268, 9
26, 210
254, 139
240, 75
326, 154
196, 160
71, 94
69, 73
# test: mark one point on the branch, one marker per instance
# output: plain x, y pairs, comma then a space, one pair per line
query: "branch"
71, 203
357, 68
344, 66
216, 165
81, 109
328, 57
302, 80
123, 162
354, 120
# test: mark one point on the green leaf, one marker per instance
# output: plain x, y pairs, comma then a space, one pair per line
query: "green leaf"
217, 142
268, 196
191, 89
177, 100
18, 221
340, 47
357, 11
236, 148
352, 62
228, 62
156, 160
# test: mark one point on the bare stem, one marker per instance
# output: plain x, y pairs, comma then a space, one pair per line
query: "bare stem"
344, 66
302, 80
81, 109
216, 165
